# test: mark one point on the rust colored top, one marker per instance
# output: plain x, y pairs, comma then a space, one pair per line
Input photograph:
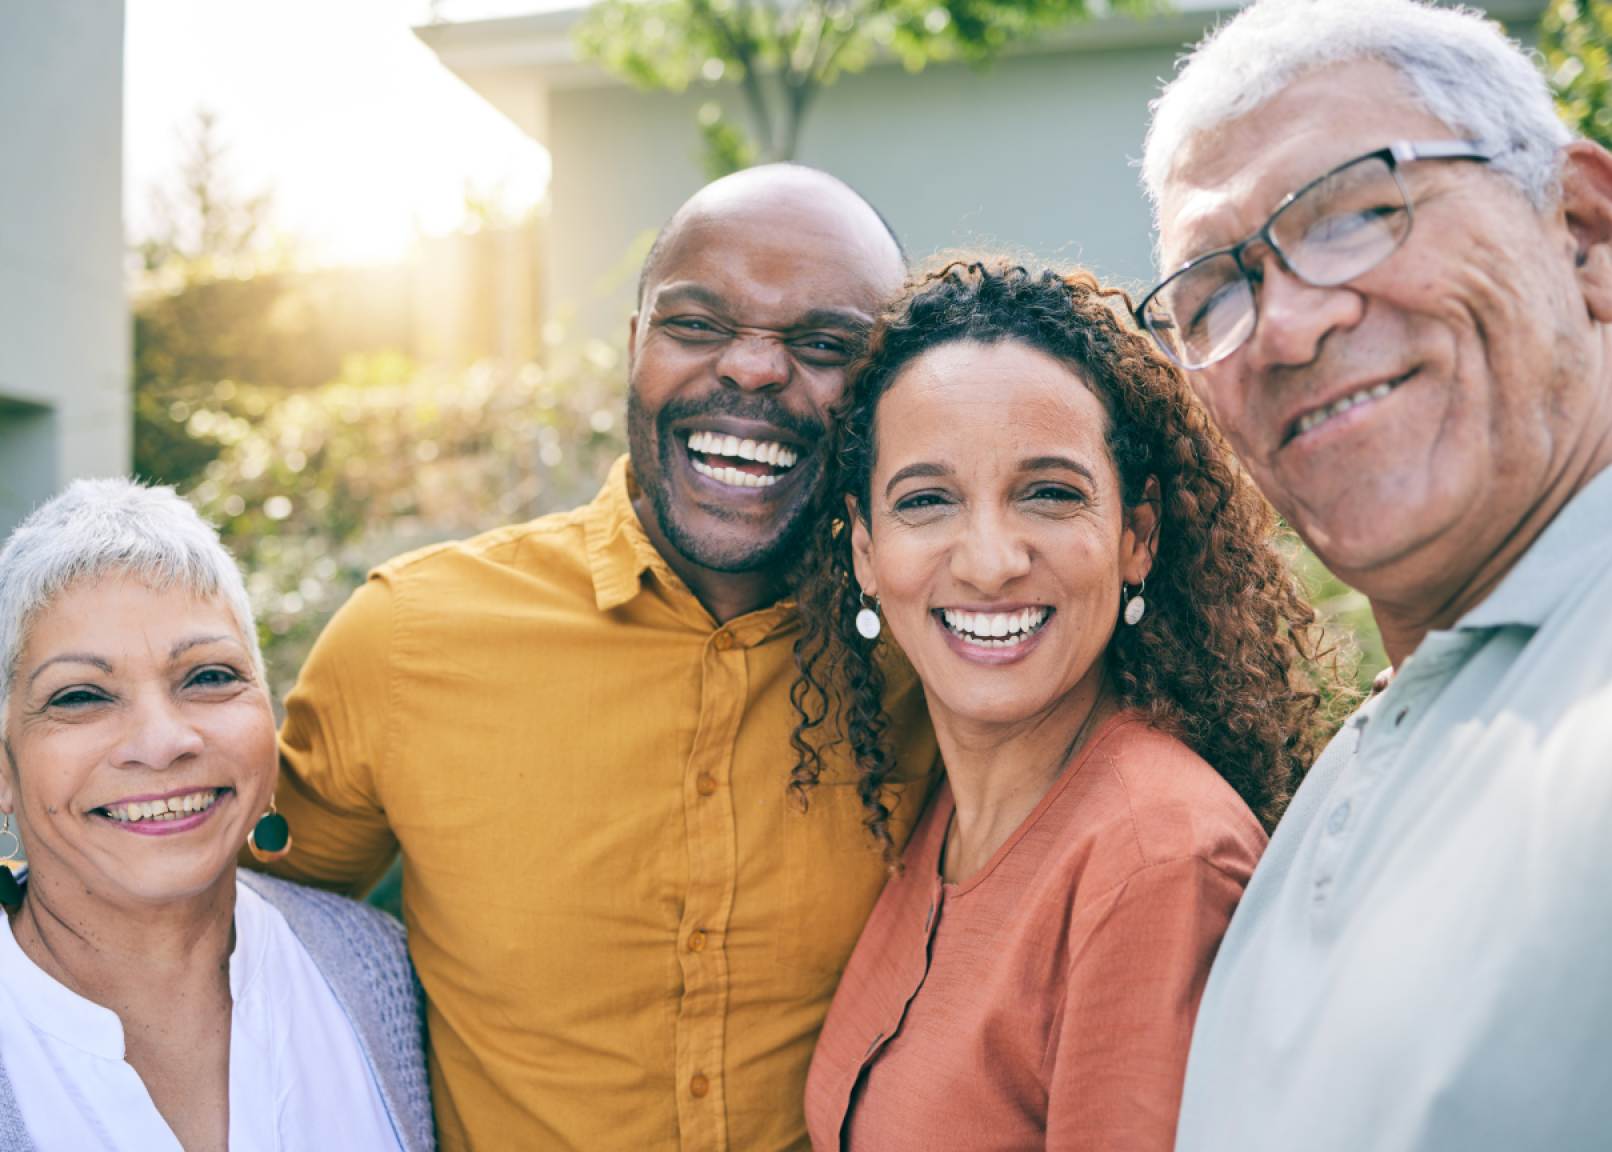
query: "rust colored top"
1048, 1001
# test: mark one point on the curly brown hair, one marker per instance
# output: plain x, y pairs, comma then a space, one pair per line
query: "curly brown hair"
1227, 658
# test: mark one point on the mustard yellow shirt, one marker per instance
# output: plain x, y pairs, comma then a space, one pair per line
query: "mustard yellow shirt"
627, 934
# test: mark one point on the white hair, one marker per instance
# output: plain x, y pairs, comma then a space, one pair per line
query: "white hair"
100, 528
1456, 63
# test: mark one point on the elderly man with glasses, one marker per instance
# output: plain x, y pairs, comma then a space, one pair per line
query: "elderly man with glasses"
1392, 286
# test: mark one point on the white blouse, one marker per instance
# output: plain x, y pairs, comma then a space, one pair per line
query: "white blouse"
298, 1080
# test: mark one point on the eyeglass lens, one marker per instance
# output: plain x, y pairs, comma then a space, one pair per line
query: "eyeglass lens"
1338, 228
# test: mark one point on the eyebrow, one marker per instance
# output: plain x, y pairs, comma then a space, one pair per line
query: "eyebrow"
1042, 463
847, 319
183, 646
99, 663
71, 658
913, 471
1033, 464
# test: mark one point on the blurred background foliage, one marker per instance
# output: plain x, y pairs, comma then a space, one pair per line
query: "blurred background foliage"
280, 400
1575, 37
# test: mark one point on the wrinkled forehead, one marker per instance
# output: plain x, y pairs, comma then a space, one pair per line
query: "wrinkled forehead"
1227, 179
122, 609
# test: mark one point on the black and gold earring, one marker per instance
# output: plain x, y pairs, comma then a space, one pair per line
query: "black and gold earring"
270, 838
10, 887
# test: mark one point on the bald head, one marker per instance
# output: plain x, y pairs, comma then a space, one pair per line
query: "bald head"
783, 194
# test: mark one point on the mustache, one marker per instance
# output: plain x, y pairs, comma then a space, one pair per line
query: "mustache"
741, 406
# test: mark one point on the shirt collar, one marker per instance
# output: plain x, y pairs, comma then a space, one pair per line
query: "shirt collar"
1574, 547
53, 1008
619, 550
620, 553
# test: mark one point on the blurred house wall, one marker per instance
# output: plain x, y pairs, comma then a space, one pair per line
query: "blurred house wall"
64, 328
1035, 154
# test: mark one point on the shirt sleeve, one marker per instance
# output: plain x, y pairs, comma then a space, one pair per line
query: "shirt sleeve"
333, 746
1120, 1050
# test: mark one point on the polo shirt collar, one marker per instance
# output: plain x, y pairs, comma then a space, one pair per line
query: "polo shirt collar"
1574, 548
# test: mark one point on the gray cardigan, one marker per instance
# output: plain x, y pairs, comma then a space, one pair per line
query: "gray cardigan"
361, 953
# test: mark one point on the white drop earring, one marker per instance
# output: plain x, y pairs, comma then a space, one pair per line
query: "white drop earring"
1135, 606
868, 624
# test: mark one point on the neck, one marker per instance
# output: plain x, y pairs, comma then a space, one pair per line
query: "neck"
998, 773
724, 595
116, 953
1406, 613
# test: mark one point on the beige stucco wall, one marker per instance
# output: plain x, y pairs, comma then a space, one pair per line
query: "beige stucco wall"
1034, 155
64, 331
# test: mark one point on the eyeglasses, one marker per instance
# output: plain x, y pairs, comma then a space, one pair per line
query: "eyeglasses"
1338, 226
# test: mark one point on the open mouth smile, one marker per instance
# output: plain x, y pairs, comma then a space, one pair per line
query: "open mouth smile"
1316, 417
163, 814
737, 462
994, 629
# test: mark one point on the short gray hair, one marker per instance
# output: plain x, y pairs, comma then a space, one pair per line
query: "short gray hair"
1456, 62
99, 528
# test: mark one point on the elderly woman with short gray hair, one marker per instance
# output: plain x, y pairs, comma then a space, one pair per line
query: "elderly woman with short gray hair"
150, 997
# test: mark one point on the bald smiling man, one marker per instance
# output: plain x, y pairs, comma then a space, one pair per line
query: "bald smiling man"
576, 730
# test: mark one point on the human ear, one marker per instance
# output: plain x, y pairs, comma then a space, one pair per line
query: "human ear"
1138, 543
861, 548
8, 778
632, 341
1587, 207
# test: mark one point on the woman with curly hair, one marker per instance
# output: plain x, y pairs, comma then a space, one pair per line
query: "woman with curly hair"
1025, 498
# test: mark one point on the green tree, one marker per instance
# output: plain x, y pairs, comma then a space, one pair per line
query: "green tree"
782, 53
1576, 39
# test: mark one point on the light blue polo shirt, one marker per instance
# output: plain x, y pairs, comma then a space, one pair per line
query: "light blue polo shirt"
1423, 959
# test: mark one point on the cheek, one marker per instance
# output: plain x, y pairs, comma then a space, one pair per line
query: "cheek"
905, 563
243, 741
50, 770
824, 386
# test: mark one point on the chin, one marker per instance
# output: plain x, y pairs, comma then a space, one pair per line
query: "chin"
175, 877
996, 708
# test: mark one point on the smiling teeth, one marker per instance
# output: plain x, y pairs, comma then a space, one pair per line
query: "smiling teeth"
1339, 407
761, 451
1000, 629
173, 808
733, 477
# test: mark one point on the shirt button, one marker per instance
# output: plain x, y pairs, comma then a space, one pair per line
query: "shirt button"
705, 784
699, 1086
724, 641
1339, 818
696, 940
1399, 718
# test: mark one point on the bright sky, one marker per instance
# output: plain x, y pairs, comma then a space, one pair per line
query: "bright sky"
361, 135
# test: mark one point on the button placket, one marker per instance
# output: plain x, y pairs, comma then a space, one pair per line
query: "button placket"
1384, 735
709, 820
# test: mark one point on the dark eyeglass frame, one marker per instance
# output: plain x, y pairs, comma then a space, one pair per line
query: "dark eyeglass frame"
1399, 153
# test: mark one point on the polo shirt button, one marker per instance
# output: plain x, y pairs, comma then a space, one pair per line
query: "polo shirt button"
1339, 819
696, 940
724, 641
705, 784
699, 1086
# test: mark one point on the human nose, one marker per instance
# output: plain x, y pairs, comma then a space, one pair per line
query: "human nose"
1296, 317
990, 554
157, 734
754, 362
